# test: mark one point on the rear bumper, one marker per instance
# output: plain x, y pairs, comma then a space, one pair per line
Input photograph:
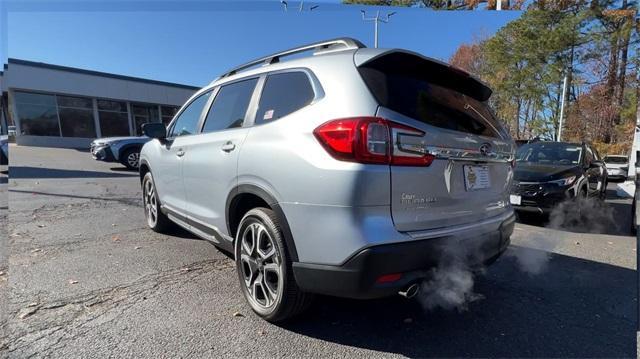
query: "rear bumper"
357, 277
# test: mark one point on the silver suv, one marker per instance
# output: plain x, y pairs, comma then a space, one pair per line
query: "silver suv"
349, 172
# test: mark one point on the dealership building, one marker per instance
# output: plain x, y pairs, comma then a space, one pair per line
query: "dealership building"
59, 106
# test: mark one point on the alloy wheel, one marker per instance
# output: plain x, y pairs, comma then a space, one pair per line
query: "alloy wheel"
150, 203
261, 266
133, 158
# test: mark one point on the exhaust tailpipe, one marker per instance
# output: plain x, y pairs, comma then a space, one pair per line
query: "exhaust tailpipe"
411, 291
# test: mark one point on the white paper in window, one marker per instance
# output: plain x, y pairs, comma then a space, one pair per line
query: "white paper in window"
268, 115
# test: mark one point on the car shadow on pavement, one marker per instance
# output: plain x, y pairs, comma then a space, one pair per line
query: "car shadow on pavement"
25, 172
577, 308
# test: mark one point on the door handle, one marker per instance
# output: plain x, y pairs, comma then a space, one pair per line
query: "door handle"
228, 147
180, 153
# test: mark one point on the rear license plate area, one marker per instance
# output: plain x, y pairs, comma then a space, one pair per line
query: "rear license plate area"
476, 177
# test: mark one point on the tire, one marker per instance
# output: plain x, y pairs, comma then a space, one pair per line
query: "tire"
264, 268
156, 220
130, 158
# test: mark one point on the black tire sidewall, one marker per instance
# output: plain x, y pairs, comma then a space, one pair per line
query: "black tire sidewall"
273, 228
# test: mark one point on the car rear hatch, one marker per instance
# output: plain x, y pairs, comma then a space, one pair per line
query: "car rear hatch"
469, 177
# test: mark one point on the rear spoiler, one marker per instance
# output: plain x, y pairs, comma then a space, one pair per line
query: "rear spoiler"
437, 72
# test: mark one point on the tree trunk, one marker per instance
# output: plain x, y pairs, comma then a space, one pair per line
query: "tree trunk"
525, 129
612, 76
517, 124
626, 33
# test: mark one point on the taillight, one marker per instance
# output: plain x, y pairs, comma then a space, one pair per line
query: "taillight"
369, 140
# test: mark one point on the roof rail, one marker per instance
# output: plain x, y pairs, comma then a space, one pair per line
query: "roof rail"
345, 43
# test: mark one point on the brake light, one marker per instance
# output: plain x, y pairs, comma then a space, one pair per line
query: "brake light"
369, 140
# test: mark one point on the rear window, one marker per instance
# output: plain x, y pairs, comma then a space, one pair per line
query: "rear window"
410, 85
283, 94
620, 160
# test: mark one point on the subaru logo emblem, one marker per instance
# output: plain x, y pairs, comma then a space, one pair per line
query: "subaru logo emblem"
485, 149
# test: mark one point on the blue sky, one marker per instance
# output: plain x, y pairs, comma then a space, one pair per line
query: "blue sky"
194, 41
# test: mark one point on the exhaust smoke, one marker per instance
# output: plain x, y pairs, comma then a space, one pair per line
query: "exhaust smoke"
534, 261
581, 215
451, 284
450, 287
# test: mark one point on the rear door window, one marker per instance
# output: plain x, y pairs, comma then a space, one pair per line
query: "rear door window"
230, 106
435, 96
284, 93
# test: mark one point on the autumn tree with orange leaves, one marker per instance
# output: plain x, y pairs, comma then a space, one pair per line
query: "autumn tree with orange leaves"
525, 63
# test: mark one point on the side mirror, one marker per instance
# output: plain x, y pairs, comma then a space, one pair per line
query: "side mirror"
595, 164
154, 130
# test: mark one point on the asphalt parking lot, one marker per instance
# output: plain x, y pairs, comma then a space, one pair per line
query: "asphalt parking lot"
87, 279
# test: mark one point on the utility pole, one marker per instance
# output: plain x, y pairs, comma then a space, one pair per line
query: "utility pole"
376, 19
564, 96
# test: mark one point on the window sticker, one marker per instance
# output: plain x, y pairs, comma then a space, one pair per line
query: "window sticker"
268, 115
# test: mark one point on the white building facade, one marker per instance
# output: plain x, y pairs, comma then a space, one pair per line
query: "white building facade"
58, 106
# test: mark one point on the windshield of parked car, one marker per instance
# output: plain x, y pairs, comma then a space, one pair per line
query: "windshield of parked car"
615, 159
550, 153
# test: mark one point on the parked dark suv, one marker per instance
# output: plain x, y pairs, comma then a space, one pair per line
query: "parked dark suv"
547, 173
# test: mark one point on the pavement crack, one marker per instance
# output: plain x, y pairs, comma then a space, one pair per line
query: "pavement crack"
77, 315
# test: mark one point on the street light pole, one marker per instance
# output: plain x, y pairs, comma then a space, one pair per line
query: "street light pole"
564, 95
376, 19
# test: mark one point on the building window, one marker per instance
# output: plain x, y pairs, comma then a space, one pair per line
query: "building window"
143, 113
76, 117
3, 116
7, 106
167, 113
37, 114
114, 118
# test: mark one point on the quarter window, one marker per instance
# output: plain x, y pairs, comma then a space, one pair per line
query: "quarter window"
187, 122
230, 106
283, 94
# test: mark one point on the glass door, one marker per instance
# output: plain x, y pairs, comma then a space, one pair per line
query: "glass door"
143, 113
